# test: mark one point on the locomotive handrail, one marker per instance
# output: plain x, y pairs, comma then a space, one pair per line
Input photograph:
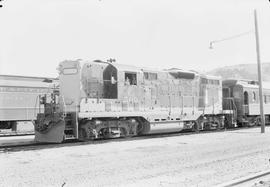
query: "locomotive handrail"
234, 108
76, 121
213, 100
37, 97
64, 106
170, 109
193, 105
182, 111
64, 103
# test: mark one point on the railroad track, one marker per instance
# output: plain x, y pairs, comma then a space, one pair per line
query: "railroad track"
256, 179
8, 134
31, 145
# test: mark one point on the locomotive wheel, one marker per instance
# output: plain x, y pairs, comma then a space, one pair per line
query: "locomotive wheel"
195, 127
143, 128
252, 123
217, 124
123, 132
258, 122
82, 134
86, 132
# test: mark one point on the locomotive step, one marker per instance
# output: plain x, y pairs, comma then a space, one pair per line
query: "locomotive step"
69, 137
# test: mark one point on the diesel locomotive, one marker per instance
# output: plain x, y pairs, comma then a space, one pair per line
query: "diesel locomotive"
99, 99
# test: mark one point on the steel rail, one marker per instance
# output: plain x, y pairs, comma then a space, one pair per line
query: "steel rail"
243, 180
31, 145
15, 133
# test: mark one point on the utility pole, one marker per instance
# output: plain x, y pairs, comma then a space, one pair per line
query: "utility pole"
259, 72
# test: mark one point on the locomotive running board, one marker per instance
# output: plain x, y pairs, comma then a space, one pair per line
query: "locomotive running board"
54, 135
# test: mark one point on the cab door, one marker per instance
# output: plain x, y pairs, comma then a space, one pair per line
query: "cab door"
246, 103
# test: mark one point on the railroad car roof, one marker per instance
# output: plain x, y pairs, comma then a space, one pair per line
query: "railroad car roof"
23, 83
213, 77
131, 68
122, 67
180, 70
246, 83
265, 85
28, 78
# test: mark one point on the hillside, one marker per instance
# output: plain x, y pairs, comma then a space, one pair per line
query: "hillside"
242, 71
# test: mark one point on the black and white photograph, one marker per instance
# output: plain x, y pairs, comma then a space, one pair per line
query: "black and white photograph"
135, 93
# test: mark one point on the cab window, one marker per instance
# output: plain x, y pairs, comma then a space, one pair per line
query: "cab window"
253, 97
69, 71
130, 78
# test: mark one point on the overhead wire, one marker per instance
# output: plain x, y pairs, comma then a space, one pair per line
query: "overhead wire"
230, 38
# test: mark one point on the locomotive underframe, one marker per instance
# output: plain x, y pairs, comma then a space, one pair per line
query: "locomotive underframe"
211, 122
71, 127
8, 125
107, 128
251, 120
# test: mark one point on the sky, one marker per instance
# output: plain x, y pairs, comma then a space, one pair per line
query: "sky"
35, 35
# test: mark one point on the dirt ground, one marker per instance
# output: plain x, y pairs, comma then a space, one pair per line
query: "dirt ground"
191, 160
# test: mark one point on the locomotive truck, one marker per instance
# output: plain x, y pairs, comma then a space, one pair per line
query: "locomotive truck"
98, 99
